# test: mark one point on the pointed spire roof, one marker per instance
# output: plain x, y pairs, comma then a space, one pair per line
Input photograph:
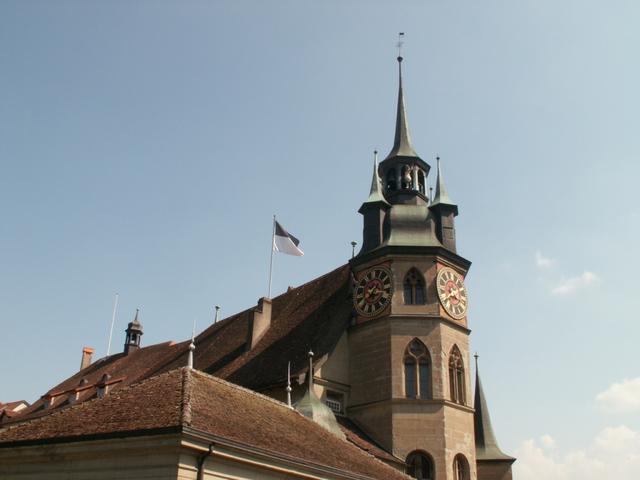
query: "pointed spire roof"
402, 143
375, 193
486, 444
442, 197
313, 408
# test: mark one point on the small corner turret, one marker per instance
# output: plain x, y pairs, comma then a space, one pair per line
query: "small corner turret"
373, 210
445, 212
134, 334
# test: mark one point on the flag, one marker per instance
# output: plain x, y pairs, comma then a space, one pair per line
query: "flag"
284, 242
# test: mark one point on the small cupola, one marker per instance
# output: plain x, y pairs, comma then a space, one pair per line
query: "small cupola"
134, 333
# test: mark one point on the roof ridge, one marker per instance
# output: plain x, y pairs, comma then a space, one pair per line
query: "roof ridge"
185, 406
106, 357
240, 388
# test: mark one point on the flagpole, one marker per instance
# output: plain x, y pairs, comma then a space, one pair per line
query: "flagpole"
273, 239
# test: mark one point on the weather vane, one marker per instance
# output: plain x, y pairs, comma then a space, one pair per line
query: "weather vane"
400, 43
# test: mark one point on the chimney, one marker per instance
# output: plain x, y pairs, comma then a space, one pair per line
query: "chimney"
259, 321
87, 353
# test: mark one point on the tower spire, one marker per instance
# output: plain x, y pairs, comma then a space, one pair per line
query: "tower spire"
486, 444
402, 142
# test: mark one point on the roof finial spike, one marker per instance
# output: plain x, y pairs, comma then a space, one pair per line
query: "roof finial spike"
476, 358
192, 346
289, 385
310, 370
215, 319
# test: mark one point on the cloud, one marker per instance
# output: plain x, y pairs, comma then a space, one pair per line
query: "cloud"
623, 397
542, 262
613, 453
570, 285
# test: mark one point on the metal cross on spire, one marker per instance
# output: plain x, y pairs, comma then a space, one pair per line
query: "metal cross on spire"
400, 43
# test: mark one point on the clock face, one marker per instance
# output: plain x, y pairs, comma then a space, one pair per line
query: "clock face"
373, 291
452, 293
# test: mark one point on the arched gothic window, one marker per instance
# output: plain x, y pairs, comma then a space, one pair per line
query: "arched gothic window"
417, 370
460, 468
391, 180
420, 466
456, 376
414, 288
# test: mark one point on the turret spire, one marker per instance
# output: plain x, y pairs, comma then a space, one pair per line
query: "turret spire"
402, 142
486, 444
375, 193
441, 192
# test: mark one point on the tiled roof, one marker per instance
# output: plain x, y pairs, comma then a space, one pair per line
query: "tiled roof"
359, 438
123, 370
312, 316
187, 398
151, 404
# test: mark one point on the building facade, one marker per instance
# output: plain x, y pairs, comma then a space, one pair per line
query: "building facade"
390, 371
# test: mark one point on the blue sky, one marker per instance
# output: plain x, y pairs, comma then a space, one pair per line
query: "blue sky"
144, 147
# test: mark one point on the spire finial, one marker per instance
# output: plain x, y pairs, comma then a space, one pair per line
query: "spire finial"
476, 358
215, 319
289, 385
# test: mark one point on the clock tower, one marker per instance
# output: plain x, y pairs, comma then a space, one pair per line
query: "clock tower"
409, 341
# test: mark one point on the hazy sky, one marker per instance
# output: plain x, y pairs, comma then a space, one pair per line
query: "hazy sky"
145, 145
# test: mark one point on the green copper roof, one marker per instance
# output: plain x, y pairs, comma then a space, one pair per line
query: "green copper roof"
313, 408
486, 444
411, 226
442, 197
402, 143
